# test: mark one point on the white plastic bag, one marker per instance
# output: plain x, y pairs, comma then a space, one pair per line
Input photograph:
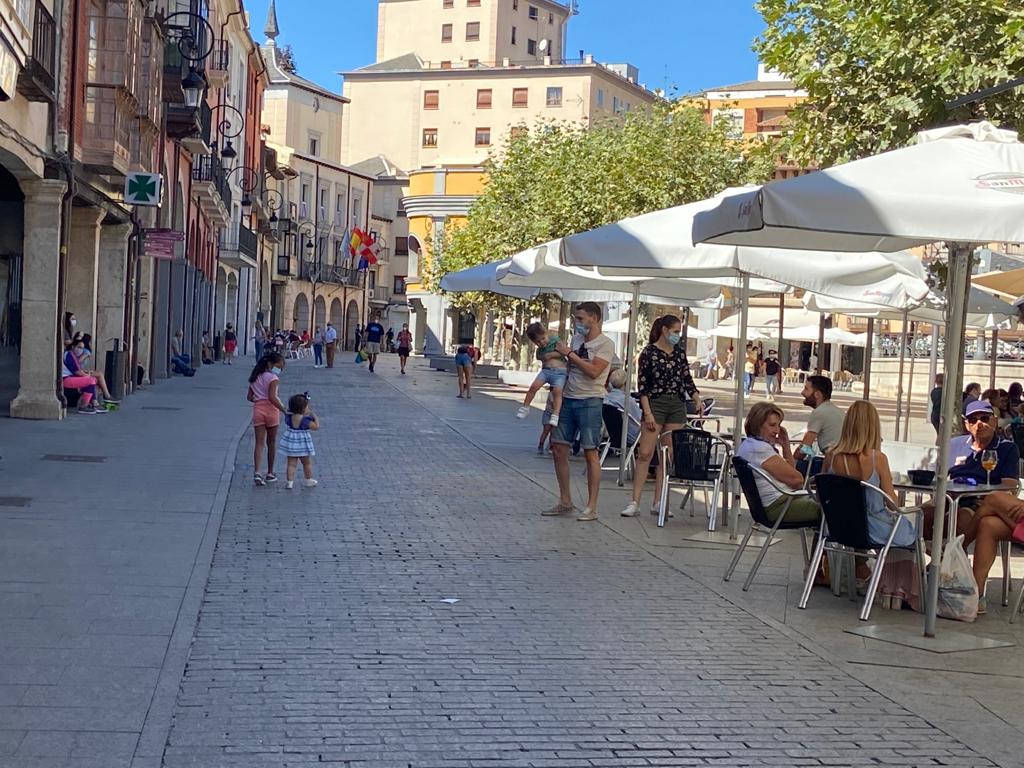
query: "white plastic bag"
958, 592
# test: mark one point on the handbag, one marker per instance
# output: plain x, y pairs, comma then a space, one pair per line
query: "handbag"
361, 357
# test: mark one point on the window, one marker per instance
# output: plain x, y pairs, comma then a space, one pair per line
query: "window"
431, 99
551, 18
519, 130
446, 65
472, 63
554, 96
520, 97
483, 98
401, 246
531, 47
483, 137
515, 5
472, 3
513, 35
446, 33
357, 210
600, 97
430, 137
733, 119
615, 104
449, 3
314, 146
399, 284
339, 211
472, 31
533, 13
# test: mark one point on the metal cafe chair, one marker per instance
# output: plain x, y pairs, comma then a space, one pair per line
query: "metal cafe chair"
696, 459
747, 474
612, 418
844, 504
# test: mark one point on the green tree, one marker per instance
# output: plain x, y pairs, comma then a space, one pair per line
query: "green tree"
560, 179
878, 71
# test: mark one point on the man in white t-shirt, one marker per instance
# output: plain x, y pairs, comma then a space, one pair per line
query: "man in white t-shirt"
825, 426
331, 339
588, 359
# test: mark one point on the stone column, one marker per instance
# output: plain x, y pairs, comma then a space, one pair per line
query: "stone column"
110, 306
80, 283
145, 317
37, 395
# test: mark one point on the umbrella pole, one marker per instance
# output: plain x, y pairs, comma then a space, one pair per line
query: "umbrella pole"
899, 377
783, 358
958, 286
992, 364
933, 356
821, 345
910, 382
634, 310
870, 339
737, 427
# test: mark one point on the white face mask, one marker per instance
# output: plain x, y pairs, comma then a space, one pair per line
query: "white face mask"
74, 321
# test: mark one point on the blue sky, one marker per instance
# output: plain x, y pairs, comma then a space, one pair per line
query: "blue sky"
689, 44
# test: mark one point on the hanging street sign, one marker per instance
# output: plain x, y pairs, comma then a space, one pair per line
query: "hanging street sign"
163, 243
142, 188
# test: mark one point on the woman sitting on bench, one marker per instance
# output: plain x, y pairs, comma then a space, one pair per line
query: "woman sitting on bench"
75, 378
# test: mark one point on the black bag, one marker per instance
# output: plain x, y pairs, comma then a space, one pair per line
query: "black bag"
189, 372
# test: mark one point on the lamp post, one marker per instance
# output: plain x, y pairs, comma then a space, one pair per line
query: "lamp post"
306, 235
194, 37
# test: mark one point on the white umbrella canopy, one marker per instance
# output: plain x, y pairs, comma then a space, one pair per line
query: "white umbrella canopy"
961, 183
832, 336
983, 310
658, 244
733, 332
767, 319
483, 278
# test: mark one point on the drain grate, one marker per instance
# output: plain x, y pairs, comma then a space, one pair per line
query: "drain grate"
211, 389
14, 501
160, 408
74, 458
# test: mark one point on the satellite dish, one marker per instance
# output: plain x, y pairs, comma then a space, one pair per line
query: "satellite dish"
544, 44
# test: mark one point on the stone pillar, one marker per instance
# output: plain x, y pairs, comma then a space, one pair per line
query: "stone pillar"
143, 331
110, 306
83, 269
37, 396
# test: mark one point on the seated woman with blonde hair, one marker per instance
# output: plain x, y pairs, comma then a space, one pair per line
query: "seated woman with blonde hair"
858, 454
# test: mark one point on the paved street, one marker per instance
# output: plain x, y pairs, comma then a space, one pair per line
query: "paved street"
324, 638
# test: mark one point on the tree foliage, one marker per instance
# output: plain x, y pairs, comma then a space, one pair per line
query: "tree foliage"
560, 179
878, 71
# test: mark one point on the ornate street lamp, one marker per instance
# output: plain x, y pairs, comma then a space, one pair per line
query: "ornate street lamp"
194, 37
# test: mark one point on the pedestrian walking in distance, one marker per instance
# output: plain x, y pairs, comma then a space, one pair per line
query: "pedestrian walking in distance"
404, 346
318, 348
374, 333
266, 413
331, 343
464, 370
230, 343
297, 440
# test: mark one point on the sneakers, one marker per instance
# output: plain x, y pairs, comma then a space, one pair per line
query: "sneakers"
258, 479
311, 483
559, 509
271, 477
288, 485
553, 421
540, 451
631, 510
588, 515
523, 412
87, 410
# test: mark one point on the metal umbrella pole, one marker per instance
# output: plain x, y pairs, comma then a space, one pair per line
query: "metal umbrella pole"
910, 381
958, 286
899, 377
737, 429
992, 364
868, 347
821, 346
634, 309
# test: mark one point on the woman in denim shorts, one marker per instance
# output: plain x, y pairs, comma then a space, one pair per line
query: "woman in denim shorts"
665, 385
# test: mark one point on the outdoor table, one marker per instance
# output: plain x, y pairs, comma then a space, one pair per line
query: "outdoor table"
955, 492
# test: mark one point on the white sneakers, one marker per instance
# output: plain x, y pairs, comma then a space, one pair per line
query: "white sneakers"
306, 483
523, 412
631, 510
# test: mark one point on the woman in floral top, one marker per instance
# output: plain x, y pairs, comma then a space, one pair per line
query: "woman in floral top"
665, 386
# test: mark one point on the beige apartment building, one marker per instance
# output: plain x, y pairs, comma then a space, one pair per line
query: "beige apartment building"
452, 80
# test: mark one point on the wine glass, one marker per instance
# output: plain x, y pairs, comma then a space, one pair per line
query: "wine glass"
989, 460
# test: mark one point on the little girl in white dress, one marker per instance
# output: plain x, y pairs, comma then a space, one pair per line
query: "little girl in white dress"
297, 439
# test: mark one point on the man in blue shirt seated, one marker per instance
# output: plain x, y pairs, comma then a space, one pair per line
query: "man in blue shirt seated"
965, 452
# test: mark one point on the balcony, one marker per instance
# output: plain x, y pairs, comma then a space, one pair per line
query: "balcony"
150, 82
343, 276
198, 143
110, 114
380, 295
211, 187
217, 73
182, 121
36, 81
239, 248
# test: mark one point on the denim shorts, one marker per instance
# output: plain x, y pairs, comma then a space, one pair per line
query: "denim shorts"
583, 416
554, 376
463, 360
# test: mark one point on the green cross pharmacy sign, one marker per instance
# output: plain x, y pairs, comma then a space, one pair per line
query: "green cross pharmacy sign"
142, 189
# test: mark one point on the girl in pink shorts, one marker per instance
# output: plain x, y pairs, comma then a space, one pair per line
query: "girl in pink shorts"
266, 412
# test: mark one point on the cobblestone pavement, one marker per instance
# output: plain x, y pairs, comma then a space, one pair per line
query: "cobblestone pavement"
324, 638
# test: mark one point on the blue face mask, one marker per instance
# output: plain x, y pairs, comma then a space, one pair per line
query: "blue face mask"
582, 329
674, 338
276, 371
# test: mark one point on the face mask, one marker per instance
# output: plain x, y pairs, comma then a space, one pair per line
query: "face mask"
582, 329
74, 321
276, 371
674, 338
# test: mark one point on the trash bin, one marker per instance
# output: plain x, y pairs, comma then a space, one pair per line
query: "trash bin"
114, 370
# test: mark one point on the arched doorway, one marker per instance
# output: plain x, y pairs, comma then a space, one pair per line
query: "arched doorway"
12, 236
337, 317
300, 312
319, 312
351, 321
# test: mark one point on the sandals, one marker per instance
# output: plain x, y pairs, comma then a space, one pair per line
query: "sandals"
258, 479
